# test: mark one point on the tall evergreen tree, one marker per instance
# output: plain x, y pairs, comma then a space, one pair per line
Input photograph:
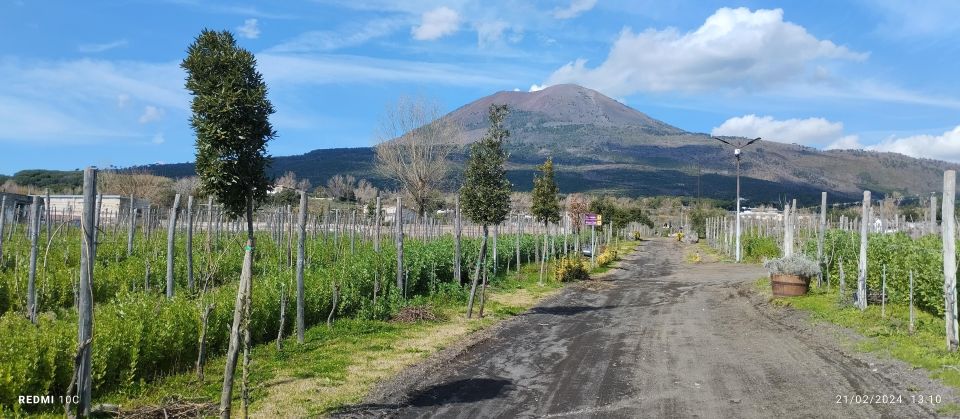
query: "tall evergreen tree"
546, 205
485, 194
231, 120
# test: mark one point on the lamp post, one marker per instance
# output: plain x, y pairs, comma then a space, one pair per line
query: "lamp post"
736, 153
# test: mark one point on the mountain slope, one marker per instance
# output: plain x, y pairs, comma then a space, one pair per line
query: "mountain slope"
600, 144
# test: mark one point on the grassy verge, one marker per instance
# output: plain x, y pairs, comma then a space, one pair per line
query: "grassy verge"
339, 365
886, 333
622, 248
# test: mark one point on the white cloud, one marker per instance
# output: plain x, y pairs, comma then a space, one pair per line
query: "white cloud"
575, 8
734, 49
158, 139
814, 132
324, 41
436, 24
94, 48
82, 101
489, 33
537, 87
150, 114
945, 146
249, 29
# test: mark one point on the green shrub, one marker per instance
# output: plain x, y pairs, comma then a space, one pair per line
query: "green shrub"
757, 248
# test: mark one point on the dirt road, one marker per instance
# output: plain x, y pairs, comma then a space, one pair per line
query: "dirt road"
659, 337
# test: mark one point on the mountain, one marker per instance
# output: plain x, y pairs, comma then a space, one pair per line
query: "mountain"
599, 144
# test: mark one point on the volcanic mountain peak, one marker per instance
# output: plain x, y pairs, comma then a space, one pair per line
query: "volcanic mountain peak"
562, 104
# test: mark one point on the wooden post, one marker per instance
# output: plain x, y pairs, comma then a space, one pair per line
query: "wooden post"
301, 253
46, 209
912, 318
862, 271
189, 245
131, 227
209, 225
398, 221
457, 273
518, 243
933, 212
883, 294
821, 234
496, 230
376, 248
3, 221
949, 258
171, 232
283, 316
843, 284
85, 291
32, 276
787, 232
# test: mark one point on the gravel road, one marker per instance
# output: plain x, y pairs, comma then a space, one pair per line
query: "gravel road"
656, 337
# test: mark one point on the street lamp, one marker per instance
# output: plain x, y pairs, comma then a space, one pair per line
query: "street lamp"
736, 153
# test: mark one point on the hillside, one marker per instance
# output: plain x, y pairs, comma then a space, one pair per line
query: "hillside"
600, 144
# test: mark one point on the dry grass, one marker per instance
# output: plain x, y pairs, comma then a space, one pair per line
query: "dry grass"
300, 397
291, 397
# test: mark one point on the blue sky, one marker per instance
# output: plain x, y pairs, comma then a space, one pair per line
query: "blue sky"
99, 83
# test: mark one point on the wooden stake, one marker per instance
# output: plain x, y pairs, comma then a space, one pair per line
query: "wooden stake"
949, 258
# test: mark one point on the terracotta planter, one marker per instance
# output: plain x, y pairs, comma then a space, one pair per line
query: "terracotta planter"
784, 285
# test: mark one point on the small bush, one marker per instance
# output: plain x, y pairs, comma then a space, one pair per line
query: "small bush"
757, 248
570, 269
606, 257
793, 265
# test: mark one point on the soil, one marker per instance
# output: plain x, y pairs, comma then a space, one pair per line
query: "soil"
662, 338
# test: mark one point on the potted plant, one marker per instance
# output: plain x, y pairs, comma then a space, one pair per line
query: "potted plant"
790, 276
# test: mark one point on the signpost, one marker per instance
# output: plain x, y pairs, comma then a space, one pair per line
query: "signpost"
593, 220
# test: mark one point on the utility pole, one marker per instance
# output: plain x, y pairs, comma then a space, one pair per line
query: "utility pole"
736, 154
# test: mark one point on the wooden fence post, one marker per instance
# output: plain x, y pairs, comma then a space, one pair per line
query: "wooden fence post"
862, 272
3, 220
85, 291
949, 258
933, 212
821, 235
131, 227
398, 222
787, 237
189, 245
457, 273
32, 276
171, 232
301, 252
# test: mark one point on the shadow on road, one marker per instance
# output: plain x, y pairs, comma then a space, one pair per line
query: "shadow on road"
566, 310
469, 390
460, 391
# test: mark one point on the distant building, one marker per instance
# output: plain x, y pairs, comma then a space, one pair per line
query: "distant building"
15, 204
71, 206
390, 214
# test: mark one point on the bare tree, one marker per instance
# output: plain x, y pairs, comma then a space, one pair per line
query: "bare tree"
341, 187
304, 185
288, 180
413, 146
186, 186
365, 192
139, 183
